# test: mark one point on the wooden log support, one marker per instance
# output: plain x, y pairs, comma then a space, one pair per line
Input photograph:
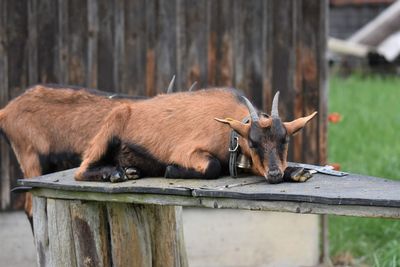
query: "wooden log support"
59, 227
41, 231
92, 233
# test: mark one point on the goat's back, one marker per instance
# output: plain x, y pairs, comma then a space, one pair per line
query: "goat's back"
54, 120
172, 126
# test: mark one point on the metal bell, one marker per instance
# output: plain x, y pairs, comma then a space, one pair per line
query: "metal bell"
243, 162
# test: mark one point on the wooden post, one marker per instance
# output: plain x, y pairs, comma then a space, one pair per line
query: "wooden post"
77, 233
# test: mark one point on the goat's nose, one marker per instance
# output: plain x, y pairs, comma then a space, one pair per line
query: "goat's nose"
274, 173
274, 176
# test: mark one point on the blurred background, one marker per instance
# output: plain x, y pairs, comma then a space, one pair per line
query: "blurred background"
339, 57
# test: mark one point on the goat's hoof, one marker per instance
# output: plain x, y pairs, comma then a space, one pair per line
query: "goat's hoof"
296, 174
117, 176
300, 175
105, 177
132, 173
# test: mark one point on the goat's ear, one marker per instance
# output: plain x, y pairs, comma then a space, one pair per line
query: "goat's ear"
242, 128
295, 126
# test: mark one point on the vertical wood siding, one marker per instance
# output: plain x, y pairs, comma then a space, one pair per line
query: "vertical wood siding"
136, 46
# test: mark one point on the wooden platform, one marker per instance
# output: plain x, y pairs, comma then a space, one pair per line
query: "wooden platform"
353, 195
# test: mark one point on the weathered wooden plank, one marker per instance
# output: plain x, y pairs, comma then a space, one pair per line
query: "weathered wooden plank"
166, 236
248, 33
206, 202
165, 52
93, 32
61, 245
267, 56
5, 175
150, 11
46, 18
3, 54
220, 43
137, 198
33, 42
192, 44
178, 210
41, 235
77, 44
119, 44
105, 46
130, 235
303, 208
323, 83
17, 37
4, 149
310, 76
64, 180
283, 54
134, 81
16, 30
349, 190
90, 232
62, 36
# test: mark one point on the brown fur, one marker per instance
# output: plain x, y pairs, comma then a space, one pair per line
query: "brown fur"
168, 127
45, 120
179, 129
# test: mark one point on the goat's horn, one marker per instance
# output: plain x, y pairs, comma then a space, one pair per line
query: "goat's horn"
274, 109
171, 85
253, 113
192, 86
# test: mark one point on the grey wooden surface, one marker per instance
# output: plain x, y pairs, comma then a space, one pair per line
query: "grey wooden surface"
321, 189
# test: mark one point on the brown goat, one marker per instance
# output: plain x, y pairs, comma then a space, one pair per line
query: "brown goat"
50, 126
183, 135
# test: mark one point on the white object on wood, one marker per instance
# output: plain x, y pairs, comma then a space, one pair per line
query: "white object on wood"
348, 48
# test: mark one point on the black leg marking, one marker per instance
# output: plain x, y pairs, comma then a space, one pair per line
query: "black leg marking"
213, 171
110, 156
137, 157
99, 173
113, 174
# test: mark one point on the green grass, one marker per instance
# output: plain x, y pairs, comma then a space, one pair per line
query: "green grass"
366, 141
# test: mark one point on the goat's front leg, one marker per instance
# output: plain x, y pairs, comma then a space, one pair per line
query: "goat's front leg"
296, 174
202, 165
105, 145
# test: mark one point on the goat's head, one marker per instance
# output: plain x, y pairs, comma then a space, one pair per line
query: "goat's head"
265, 139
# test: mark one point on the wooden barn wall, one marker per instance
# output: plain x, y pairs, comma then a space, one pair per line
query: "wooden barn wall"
136, 46
346, 19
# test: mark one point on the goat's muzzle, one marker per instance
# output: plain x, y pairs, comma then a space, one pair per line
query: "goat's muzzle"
274, 176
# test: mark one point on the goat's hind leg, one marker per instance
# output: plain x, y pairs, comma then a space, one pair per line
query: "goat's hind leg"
30, 165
